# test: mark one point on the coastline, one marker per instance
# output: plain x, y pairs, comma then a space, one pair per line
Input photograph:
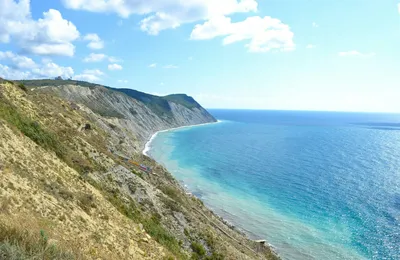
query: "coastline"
148, 143
230, 225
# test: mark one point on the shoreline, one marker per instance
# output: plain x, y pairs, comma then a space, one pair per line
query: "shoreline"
187, 191
150, 140
224, 220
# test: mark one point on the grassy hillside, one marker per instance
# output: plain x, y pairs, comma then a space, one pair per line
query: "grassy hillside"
160, 105
66, 194
183, 99
52, 82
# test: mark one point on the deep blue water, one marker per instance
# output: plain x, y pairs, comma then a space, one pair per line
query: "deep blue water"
316, 185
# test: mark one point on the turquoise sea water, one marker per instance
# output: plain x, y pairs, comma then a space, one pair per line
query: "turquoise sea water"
316, 185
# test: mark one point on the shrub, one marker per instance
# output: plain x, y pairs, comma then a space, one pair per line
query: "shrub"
152, 224
171, 192
23, 87
23, 245
186, 232
32, 129
138, 173
86, 202
215, 256
198, 248
171, 204
161, 235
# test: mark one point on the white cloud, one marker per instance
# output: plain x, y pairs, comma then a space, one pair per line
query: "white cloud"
94, 41
90, 75
163, 15
95, 57
315, 25
17, 61
98, 57
264, 34
96, 72
153, 65
170, 66
114, 67
114, 59
123, 81
356, 54
52, 70
51, 49
21, 67
10, 73
159, 22
311, 46
50, 35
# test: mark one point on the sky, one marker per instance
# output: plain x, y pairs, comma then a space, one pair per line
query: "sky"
333, 55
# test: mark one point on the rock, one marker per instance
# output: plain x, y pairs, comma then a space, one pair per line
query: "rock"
88, 127
140, 251
144, 239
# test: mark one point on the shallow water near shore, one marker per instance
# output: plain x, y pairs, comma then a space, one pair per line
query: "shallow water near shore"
315, 185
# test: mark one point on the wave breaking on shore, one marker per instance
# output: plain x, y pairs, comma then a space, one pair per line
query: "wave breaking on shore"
147, 146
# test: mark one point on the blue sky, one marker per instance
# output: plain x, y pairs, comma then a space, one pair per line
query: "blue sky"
338, 55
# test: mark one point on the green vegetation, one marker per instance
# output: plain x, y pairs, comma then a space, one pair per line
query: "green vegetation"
151, 224
42, 137
86, 202
183, 100
155, 229
31, 129
159, 105
22, 86
104, 111
171, 192
174, 201
51, 82
198, 250
77, 149
21, 245
138, 173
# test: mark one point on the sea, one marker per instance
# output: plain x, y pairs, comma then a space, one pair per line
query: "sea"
315, 185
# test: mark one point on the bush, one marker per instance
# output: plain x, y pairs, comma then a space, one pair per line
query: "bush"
23, 245
32, 129
215, 256
23, 87
152, 224
161, 235
198, 248
86, 202
172, 192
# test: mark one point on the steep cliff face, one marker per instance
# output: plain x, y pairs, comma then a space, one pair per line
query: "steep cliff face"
140, 114
66, 194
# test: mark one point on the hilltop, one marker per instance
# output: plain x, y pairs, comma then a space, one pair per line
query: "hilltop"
71, 187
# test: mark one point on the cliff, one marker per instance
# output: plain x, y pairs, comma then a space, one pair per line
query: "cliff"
135, 112
66, 194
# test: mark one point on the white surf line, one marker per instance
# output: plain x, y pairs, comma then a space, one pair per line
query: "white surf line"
147, 146
39, 88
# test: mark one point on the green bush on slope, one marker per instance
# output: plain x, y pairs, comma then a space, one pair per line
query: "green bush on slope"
31, 129
22, 245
